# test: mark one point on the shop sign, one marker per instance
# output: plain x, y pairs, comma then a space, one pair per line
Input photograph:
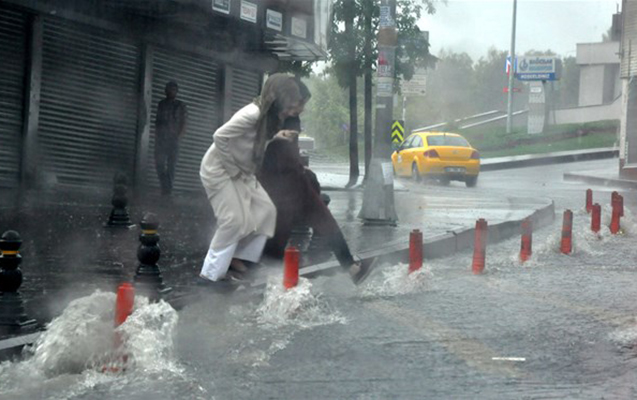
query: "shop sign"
248, 11
299, 28
274, 20
222, 6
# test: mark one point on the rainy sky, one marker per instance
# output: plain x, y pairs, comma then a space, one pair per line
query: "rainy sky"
473, 26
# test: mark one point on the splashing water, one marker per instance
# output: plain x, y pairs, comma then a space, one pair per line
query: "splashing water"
68, 358
626, 337
297, 307
396, 280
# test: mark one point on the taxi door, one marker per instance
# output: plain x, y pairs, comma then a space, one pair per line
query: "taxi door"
402, 158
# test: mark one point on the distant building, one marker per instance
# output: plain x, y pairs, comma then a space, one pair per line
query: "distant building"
600, 87
628, 74
599, 81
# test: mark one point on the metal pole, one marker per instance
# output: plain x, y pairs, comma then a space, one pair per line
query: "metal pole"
511, 72
387, 39
404, 110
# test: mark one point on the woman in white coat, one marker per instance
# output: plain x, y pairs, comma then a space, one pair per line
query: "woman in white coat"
246, 216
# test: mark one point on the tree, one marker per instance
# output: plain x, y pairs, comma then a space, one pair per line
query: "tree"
352, 52
489, 78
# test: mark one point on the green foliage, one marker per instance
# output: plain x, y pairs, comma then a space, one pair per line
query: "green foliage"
458, 88
494, 141
327, 111
412, 49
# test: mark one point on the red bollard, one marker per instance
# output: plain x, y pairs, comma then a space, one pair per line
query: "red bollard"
123, 308
617, 200
479, 246
124, 303
291, 267
415, 250
614, 222
596, 217
589, 200
526, 247
566, 246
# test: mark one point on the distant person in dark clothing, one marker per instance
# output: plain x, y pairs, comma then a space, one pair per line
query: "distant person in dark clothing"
170, 126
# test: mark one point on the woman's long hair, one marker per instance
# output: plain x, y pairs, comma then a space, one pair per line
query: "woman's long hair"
279, 92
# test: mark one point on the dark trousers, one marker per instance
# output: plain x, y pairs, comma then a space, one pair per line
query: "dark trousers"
298, 201
166, 152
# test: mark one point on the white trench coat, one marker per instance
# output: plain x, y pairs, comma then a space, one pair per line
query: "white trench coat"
240, 204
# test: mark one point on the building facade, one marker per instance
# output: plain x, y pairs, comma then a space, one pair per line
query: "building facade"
80, 80
628, 72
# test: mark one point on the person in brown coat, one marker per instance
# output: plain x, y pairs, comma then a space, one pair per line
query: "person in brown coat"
295, 192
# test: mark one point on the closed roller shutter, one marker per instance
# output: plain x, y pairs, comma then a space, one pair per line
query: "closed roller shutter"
12, 69
197, 77
245, 87
88, 108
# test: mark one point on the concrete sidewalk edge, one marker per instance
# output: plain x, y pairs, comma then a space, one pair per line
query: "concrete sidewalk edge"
442, 245
550, 158
596, 180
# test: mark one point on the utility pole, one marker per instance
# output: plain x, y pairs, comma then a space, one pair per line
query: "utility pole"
511, 72
385, 73
378, 199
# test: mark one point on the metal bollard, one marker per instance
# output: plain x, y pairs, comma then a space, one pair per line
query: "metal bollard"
119, 216
589, 200
415, 250
616, 215
596, 217
13, 318
566, 246
526, 247
480, 246
148, 279
291, 267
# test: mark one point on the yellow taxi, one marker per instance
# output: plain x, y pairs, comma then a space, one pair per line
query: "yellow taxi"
440, 155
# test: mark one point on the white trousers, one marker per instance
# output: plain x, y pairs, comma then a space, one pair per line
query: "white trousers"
217, 262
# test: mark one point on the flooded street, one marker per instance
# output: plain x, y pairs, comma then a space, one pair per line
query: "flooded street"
555, 327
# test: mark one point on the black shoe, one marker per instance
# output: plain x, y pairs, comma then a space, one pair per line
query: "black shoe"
365, 268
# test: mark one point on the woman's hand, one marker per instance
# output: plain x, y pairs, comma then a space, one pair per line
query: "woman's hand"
287, 134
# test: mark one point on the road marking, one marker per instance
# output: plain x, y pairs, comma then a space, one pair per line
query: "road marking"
508, 358
475, 353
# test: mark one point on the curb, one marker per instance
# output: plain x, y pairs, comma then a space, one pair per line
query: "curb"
594, 180
441, 245
550, 158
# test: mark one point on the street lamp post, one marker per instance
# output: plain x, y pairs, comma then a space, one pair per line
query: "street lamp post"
511, 72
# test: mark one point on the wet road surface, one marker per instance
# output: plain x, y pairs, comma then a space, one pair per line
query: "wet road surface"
556, 327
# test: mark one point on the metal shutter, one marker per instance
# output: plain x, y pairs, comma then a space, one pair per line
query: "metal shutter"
197, 77
245, 87
13, 44
88, 107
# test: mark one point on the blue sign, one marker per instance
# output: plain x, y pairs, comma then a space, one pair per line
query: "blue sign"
536, 69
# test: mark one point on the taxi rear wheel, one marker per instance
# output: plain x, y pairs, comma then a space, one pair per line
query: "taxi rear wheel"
471, 181
414, 173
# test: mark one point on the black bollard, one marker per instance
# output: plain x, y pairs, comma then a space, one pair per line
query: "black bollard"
13, 319
148, 279
119, 214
